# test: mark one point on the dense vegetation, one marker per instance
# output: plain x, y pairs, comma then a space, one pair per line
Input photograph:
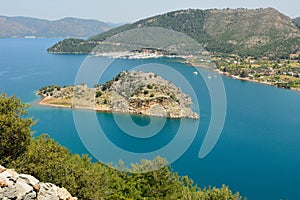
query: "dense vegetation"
258, 33
14, 129
50, 162
281, 73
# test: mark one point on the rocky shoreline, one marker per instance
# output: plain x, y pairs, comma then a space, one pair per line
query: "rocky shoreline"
133, 92
26, 187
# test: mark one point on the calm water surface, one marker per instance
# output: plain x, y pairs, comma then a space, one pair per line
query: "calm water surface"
257, 153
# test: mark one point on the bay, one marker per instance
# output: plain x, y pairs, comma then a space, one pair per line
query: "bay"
257, 153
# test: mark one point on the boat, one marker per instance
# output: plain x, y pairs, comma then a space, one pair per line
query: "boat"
30, 37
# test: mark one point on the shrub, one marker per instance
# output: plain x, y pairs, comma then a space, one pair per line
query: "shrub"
14, 128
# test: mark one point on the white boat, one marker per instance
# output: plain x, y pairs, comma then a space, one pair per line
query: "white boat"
195, 72
30, 37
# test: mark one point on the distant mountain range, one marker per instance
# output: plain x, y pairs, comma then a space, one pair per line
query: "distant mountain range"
18, 27
245, 32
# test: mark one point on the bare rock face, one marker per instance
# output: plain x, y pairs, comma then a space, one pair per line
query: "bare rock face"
146, 93
26, 187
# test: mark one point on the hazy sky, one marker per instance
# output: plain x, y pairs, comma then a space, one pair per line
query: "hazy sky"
129, 10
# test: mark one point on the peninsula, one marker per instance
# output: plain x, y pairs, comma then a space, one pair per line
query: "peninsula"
133, 92
258, 45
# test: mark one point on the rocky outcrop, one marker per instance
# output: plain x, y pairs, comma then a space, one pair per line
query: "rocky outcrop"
146, 93
133, 92
26, 187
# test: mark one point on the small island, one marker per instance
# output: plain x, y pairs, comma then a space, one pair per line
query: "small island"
133, 92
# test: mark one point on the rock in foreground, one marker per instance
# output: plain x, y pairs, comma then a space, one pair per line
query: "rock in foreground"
26, 187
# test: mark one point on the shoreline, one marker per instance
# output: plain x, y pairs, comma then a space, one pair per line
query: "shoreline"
237, 77
253, 80
42, 102
117, 55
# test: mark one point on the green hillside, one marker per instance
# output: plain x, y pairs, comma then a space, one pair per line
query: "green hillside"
245, 32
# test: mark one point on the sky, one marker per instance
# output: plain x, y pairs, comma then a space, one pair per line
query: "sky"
129, 10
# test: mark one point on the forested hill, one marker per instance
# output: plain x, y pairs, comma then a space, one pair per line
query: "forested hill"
246, 32
297, 22
18, 27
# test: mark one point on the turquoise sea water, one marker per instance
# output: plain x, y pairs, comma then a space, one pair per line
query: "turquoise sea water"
257, 153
